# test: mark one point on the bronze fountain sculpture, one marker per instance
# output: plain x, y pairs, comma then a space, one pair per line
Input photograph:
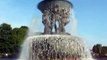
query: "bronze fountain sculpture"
54, 43
55, 15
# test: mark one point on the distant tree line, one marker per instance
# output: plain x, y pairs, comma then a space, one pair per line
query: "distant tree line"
11, 38
99, 50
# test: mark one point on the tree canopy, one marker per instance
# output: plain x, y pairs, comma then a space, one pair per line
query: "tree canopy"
11, 38
99, 49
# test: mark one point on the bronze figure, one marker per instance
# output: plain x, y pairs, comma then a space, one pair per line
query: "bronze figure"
46, 22
55, 15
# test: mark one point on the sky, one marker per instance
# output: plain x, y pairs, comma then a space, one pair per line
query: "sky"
90, 14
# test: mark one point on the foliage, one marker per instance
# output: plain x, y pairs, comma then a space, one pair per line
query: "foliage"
104, 50
99, 49
11, 39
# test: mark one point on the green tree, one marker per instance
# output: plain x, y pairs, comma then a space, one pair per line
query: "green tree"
5, 38
97, 49
11, 39
18, 35
104, 50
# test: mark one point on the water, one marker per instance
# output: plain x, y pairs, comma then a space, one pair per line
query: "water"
40, 47
16, 59
73, 23
55, 47
32, 27
62, 46
102, 58
8, 59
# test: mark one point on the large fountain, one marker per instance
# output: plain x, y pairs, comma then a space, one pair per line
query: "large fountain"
54, 43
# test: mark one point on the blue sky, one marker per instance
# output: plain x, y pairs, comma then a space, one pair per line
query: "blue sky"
90, 14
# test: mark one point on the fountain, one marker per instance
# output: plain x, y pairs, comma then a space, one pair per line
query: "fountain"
54, 43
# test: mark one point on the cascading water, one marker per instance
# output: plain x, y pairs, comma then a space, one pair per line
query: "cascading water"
42, 47
72, 27
54, 46
32, 28
74, 22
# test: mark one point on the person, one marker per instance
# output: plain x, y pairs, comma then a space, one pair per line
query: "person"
46, 22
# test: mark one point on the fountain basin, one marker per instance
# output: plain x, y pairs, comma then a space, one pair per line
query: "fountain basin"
47, 5
54, 46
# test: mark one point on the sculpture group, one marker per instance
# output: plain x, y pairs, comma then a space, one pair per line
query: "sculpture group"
55, 19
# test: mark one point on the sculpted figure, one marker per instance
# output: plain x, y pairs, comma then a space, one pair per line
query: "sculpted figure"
63, 20
55, 18
65, 17
53, 23
46, 22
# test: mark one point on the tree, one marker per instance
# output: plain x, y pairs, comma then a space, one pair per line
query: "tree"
18, 35
97, 48
11, 39
5, 37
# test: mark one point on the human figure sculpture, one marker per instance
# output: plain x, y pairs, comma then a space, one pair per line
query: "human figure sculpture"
53, 23
57, 17
46, 22
64, 20
65, 17
54, 18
